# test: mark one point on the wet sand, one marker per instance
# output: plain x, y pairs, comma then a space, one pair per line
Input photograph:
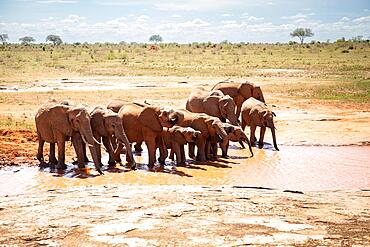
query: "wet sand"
293, 168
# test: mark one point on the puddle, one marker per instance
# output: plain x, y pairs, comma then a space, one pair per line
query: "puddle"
293, 168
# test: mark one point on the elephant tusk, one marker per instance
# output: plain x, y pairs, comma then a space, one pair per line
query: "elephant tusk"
84, 139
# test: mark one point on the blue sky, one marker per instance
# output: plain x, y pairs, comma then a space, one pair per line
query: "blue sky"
183, 21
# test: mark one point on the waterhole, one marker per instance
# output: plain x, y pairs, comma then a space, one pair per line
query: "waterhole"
305, 168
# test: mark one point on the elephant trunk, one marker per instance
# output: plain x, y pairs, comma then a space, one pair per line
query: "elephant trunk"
121, 137
274, 137
89, 139
221, 132
249, 145
233, 119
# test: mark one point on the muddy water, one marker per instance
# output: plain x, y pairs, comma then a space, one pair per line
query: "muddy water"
293, 168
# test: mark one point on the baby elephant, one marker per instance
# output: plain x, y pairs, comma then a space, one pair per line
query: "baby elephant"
256, 113
234, 134
175, 138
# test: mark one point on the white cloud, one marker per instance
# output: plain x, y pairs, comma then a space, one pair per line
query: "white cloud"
297, 16
345, 18
194, 23
196, 5
253, 18
363, 19
366, 10
56, 1
73, 19
175, 16
226, 15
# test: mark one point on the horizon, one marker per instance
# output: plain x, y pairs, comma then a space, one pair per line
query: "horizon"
186, 22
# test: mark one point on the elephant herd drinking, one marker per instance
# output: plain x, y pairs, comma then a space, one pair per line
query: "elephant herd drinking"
202, 124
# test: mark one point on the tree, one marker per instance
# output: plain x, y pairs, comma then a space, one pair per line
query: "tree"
3, 38
26, 40
155, 38
302, 33
54, 38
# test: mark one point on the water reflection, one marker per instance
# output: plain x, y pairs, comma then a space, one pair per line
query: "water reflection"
292, 168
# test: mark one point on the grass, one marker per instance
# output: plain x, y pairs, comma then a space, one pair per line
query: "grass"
358, 91
15, 123
20, 63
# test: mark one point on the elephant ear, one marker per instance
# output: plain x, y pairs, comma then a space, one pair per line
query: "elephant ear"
149, 118
179, 136
222, 105
256, 116
228, 129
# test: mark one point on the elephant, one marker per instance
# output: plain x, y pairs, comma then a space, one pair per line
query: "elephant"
256, 113
146, 123
56, 123
235, 134
240, 92
105, 124
209, 127
214, 104
115, 105
175, 138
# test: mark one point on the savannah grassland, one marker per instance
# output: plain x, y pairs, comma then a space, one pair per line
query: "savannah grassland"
337, 71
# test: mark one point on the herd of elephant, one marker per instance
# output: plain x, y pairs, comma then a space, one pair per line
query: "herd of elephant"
203, 124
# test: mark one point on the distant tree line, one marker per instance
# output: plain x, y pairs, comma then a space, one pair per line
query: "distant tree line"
300, 33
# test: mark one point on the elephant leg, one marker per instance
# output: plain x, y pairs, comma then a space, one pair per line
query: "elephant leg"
262, 135
182, 152
84, 152
176, 148
52, 159
172, 154
252, 136
191, 150
150, 143
61, 154
138, 147
79, 147
224, 147
238, 110
40, 150
201, 144
163, 152
108, 146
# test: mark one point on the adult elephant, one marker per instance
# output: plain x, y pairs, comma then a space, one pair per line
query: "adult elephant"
105, 125
57, 124
145, 123
256, 114
240, 92
209, 127
115, 105
221, 106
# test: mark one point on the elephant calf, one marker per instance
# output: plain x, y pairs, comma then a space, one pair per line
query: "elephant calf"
209, 127
256, 113
234, 134
175, 138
